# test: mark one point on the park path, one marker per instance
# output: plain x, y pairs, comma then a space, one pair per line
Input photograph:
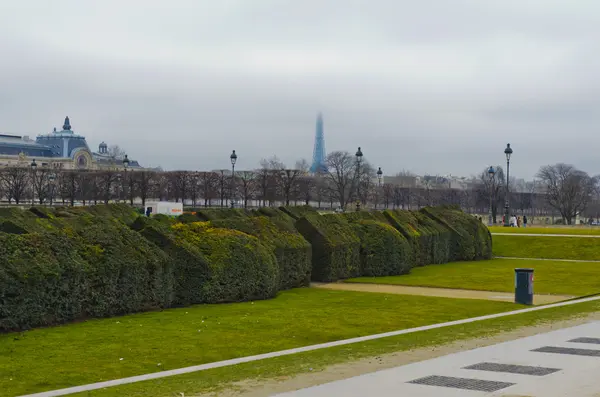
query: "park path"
561, 363
547, 235
439, 292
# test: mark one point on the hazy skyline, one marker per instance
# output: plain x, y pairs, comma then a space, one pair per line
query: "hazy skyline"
434, 87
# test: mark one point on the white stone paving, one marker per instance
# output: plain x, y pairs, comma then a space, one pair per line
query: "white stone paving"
578, 376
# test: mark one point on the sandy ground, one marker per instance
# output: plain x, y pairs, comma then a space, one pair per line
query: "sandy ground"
441, 292
343, 371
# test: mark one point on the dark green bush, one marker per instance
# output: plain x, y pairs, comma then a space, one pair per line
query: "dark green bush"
115, 270
298, 212
292, 251
472, 238
383, 250
335, 246
211, 214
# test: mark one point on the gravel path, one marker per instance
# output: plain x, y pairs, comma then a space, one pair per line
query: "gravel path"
440, 292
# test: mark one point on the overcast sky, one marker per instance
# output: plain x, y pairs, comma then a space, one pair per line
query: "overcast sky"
428, 86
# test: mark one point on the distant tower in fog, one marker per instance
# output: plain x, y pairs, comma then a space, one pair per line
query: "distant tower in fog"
318, 163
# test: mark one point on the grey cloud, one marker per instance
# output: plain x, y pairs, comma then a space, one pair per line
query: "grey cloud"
429, 86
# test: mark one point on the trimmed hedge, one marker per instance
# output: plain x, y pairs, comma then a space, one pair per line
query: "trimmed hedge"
299, 211
472, 238
65, 264
240, 268
191, 270
335, 246
276, 232
384, 251
75, 267
430, 241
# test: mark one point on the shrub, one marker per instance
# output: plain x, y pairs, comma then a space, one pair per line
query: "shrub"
191, 270
430, 243
298, 212
211, 214
239, 267
292, 251
472, 239
64, 269
335, 246
383, 250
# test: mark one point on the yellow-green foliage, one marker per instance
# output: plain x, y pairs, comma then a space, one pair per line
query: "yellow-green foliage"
292, 251
240, 268
335, 246
298, 212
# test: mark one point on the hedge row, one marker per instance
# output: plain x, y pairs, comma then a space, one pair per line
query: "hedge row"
391, 242
60, 265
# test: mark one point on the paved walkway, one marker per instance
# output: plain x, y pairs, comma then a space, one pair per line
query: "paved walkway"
561, 363
547, 235
440, 292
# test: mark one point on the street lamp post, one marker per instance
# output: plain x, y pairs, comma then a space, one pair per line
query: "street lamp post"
125, 166
33, 169
379, 178
508, 151
491, 172
233, 159
51, 179
359, 156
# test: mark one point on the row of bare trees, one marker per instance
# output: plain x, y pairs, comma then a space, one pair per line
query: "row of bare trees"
559, 189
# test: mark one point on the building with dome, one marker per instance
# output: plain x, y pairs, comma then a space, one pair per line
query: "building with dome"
60, 149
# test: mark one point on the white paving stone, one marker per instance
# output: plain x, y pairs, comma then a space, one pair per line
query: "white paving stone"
578, 376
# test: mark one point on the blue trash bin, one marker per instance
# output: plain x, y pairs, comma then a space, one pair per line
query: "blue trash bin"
524, 286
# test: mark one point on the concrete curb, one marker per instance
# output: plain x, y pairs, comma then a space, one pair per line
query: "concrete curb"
225, 363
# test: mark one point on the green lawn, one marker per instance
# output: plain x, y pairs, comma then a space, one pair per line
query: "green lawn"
97, 350
586, 230
550, 277
288, 366
547, 247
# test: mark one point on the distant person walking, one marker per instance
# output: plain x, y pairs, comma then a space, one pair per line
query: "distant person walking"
518, 221
513, 221
524, 220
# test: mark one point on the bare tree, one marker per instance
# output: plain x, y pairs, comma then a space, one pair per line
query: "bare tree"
143, 182
568, 190
247, 185
180, 184
68, 185
109, 181
15, 181
208, 186
40, 183
222, 186
194, 187
387, 192
494, 185
116, 152
266, 182
341, 176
